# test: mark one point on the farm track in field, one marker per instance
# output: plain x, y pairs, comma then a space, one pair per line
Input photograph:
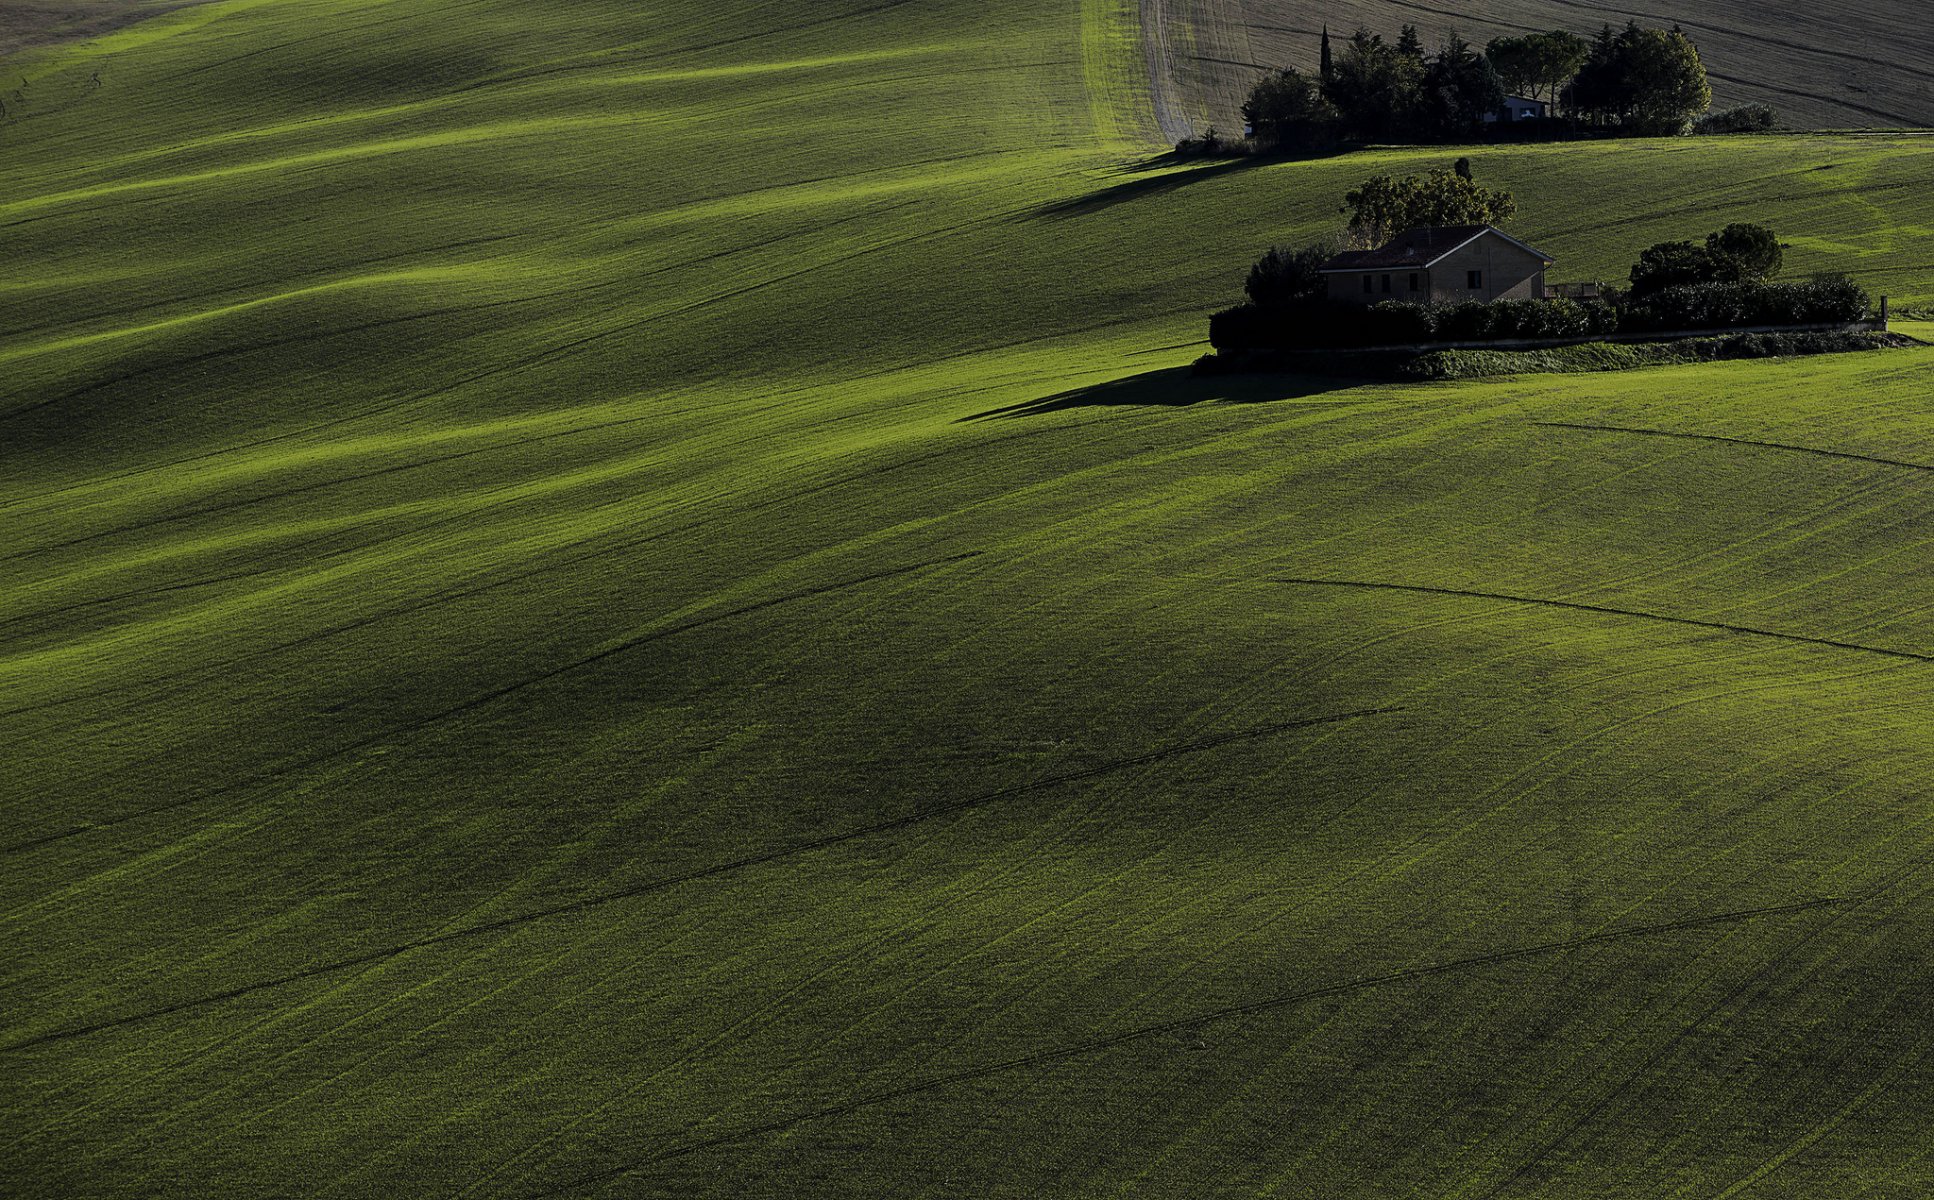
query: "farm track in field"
1198, 746
1191, 1021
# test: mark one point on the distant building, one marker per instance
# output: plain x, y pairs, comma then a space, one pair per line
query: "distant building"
1518, 108
1440, 264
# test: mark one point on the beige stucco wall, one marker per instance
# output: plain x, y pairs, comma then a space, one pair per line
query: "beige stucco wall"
1509, 273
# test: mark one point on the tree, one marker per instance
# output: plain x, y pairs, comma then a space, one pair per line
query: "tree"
1459, 90
1742, 251
1374, 87
1672, 264
1410, 44
1384, 207
1284, 278
1648, 80
1329, 63
1538, 65
1670, 82
1287, 109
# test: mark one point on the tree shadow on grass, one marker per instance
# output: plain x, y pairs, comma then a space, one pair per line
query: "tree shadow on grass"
1179, 387
1163, 173
1145, 184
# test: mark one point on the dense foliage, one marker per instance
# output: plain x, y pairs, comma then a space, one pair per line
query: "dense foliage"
1538, 65
1737, 253
1633, 81
1644, 81
1747, 118
1385, 205
1745, 303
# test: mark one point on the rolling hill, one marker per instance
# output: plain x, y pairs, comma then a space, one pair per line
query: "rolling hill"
1832, 65
605, 603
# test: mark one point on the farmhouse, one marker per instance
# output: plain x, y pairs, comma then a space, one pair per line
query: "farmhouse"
1440, 264
1518, 108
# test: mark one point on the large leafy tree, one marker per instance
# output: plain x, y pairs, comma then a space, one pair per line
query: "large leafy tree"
1744, 251
1385, 206
1738, 252
1647, 80
1287, 108
1538, 65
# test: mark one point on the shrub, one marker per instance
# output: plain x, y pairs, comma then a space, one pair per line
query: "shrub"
1747, 118
1284, 277
1240, 328
1468, 322
1399, 322
1728, 305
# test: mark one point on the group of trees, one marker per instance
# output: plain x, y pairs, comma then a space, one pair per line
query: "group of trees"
1724, 283
1639, 81
1644, 81
1739, 253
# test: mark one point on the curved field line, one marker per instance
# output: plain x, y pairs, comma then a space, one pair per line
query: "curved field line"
1600, 608
498, 693
739, 864
1714, 437
1178, 1024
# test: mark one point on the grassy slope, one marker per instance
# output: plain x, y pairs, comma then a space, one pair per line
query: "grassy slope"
1834, 64
466, 473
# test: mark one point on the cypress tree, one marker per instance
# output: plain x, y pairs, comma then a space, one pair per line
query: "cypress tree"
1329, 70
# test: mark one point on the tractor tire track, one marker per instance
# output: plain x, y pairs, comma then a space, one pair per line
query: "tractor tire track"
1714, 437
1179, 1024
1604, 609
794, 850
494, 694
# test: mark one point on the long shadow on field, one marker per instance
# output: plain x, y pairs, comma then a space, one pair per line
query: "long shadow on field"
1177, 387
1142, 186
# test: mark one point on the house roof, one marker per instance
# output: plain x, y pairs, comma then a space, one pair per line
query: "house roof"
1420, 247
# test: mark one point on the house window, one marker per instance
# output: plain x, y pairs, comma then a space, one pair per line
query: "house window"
1386, 285
1369, 283
1474, 280
1413, 281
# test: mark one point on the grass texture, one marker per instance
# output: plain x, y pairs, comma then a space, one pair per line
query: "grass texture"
605, 602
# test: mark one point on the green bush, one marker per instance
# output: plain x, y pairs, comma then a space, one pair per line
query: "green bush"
1399, 322
1730, 305
1747, 118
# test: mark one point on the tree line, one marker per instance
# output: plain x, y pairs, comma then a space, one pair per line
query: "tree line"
1632, 82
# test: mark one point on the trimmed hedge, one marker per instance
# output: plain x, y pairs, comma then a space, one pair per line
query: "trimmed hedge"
1731, 305
1326, 326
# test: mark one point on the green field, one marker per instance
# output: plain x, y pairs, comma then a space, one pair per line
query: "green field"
621, 603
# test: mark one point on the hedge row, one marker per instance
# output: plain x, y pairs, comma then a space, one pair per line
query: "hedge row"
1323, 325
1731, 305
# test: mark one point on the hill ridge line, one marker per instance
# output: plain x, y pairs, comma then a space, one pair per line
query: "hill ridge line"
1177, 1024
599, 900
1606, 609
